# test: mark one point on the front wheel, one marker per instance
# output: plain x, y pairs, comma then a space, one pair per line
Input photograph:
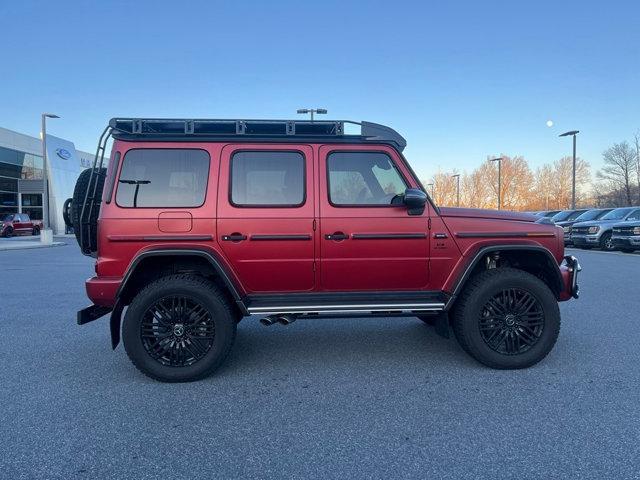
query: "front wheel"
506, 319
606, 243
8, 233
35, 231
179, 328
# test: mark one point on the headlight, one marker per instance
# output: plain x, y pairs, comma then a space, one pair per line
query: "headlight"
636, 230
566, 229
594, 229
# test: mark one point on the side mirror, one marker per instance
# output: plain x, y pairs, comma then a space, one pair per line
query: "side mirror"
415, 201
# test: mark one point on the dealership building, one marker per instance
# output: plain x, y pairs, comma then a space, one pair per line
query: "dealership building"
21, 184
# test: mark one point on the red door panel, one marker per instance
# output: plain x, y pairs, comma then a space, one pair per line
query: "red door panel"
271, 248
377, 247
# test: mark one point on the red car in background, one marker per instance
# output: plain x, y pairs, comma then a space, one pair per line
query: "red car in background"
18, 224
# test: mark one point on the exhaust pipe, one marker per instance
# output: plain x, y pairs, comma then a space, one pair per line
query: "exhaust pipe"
268, 321
286, 319
282, 319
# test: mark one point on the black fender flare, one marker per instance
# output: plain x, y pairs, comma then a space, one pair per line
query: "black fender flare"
557, 280
116, 315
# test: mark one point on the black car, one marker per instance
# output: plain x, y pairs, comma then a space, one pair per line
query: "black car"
583, 216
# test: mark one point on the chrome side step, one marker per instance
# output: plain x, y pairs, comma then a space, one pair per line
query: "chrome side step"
353, 308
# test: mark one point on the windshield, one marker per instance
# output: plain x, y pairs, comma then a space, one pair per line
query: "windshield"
617, 214
564, 215
591, 215
6, 218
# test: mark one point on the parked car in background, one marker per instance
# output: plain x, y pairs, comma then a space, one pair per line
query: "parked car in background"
18, 224
598, 233
626, 236
586, 215
546, 213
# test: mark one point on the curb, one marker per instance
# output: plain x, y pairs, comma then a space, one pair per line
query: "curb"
5, 248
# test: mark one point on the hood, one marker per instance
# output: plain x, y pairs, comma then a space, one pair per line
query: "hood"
593, 223
485, 213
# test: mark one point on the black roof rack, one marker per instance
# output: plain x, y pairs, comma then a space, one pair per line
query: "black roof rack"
167, 129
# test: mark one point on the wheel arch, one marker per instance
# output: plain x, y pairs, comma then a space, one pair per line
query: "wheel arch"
534, 259
153, 264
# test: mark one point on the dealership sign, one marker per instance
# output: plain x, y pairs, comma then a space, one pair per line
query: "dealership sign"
63, 153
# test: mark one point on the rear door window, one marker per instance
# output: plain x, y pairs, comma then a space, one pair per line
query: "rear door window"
163, 178
267, 179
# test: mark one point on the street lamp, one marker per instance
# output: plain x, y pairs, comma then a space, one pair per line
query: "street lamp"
432, 189
46, 235
572, 133
499, 160
319, 111
457, 176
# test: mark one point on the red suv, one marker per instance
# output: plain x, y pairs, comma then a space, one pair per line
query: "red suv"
198, 223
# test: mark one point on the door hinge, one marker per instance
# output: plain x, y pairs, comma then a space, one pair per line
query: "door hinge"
314, 225
429, 223
314, 266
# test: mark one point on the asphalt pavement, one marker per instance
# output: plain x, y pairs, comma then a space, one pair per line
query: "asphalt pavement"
344, 398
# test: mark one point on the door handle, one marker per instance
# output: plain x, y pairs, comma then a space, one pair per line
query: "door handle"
336, 236
234, 237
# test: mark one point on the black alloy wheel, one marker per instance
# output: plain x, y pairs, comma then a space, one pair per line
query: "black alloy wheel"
506, 318
179, 328
177, 331
511, 322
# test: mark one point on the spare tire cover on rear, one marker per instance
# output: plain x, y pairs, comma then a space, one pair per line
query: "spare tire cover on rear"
79, 193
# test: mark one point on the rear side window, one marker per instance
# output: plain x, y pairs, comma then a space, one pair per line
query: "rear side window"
267, 179
363, 179
163, 178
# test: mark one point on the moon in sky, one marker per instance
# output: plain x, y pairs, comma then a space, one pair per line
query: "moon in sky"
549, 123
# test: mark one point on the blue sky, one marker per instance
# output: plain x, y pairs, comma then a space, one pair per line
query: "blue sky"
459, 79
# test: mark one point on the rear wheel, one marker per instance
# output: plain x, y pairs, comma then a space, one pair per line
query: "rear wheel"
179, 328
606, 243
507, 319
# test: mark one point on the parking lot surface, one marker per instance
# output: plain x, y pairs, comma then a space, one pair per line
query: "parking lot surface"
357, 398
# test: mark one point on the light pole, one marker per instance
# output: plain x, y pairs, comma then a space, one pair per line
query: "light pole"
572, 133
46, 235
499, 160
457, 177
319, 111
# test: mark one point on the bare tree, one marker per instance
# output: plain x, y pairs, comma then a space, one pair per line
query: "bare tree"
619, 166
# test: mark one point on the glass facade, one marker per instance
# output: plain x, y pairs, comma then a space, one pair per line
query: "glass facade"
14, 166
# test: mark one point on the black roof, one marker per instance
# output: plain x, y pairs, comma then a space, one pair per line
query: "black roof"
332, 131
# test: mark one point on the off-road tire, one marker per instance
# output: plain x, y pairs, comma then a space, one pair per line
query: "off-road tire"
605, 242
79, 192
210, 297
469, 307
